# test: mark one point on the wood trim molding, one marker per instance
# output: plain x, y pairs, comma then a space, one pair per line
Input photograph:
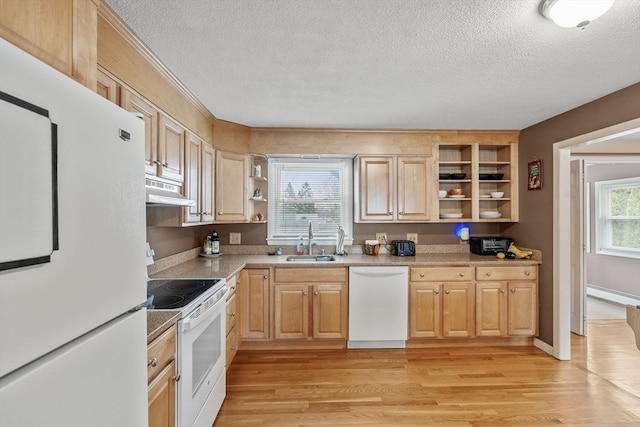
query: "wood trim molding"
112, 18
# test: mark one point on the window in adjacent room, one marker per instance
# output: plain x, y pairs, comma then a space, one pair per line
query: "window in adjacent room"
316, 190
618, 217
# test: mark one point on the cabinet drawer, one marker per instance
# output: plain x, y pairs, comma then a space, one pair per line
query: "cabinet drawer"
231, 286
232, 310
160, 353
449, 274
306, 275
529, 272
232, 345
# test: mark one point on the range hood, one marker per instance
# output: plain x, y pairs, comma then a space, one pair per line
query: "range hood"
164, 194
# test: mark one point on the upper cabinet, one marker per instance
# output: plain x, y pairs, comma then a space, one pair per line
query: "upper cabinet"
258, 188
392, 188
199, 179
61, 33
164, 138
477, 182
232, 172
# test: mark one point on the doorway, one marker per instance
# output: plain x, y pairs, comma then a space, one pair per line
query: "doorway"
562, 238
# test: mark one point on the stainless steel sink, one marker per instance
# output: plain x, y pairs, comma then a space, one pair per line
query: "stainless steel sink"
311, 258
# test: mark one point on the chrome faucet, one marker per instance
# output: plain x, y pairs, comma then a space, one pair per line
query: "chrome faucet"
310, 238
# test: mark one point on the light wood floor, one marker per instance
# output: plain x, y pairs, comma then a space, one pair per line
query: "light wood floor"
488, 386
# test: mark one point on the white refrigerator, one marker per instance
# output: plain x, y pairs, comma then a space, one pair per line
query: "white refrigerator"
72, 253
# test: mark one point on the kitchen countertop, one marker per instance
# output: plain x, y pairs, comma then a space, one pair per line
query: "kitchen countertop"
159, 321
228, 265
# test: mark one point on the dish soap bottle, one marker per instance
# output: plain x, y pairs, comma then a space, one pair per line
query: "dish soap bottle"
300, 247
215, 243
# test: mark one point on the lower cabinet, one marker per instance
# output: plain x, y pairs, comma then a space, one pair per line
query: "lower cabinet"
161, 374
255, 303
507, 301
441, 302
233, 320
310, 303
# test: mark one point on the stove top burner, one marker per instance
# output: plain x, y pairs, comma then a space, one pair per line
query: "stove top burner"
170, 294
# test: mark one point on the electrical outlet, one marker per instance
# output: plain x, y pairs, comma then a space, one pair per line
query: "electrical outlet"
413, 237
234, 238
382, 238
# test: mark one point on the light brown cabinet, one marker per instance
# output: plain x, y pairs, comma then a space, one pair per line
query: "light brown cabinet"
478, 170
164, 138
232, 173
393, 188
255, 303
108, 87
259, 188
233, 319
441, 303
161, 375
310, 303
507, 301
199, 180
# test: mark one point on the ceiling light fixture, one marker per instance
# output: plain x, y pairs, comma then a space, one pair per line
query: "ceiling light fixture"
574, 13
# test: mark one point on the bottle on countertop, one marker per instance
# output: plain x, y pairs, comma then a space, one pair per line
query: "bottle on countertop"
207, 247
215, 243
300, 247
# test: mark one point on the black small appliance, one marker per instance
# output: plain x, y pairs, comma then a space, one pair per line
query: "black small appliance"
403, 248
489, 245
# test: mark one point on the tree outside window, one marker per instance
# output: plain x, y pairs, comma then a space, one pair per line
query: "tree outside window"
618, 228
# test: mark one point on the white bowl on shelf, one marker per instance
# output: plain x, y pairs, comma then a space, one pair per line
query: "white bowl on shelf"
497, 194
490, 214
442, 194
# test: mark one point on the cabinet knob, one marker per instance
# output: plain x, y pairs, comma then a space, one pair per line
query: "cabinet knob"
219, 212
233, 315
265, 276
155, 162
527, 273
391, 213
304, 293
447, 292
400, 213
176, 378
502, 291
488, 274
437, 292
165, 165
421, 274
153, 362
233, 347
315, 293
513, 291
461, 274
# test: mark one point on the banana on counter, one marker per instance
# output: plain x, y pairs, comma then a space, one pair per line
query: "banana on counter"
514, 252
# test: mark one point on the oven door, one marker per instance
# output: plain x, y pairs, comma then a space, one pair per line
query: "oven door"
201, 353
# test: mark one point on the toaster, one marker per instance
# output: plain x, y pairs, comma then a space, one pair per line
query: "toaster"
403, 248
489, 245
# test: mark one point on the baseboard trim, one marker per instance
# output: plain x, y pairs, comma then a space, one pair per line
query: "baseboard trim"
613, 296
543, 346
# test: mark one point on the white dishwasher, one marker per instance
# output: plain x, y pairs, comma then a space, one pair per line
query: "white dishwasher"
378, 307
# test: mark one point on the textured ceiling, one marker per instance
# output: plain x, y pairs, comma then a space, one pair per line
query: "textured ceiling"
394, 64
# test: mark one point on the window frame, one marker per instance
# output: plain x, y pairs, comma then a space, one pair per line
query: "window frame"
276, 163
604, 219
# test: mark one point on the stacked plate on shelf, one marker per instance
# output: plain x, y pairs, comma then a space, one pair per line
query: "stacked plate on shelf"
490, 214
451, 215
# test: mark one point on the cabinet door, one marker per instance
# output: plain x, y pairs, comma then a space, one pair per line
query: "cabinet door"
330, 305
171, 139
231, 345
458, 311
231, 187
255, 304
162, 398
207, 183
523, 308
134, 103
108, 87
291, 317
491, 309
425, 310
377, 193
413, 188
193, 168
